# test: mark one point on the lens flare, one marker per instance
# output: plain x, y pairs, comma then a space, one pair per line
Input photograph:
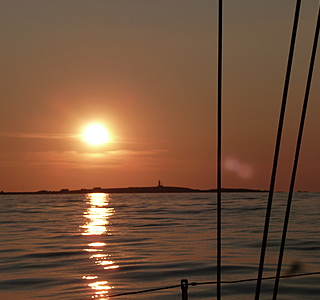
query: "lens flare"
243, 170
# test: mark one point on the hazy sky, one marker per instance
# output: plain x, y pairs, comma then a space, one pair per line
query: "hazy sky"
147, 70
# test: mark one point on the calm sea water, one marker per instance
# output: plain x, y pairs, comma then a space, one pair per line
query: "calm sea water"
91, 246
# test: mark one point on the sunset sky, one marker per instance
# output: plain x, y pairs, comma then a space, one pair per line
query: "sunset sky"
147, 71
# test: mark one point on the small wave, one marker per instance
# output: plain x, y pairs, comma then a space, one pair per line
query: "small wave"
156, 225
53, 254
24, 283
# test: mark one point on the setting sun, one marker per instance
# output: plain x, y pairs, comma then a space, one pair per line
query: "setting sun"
96, 134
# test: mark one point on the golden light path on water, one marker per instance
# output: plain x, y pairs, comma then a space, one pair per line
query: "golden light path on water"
97, 220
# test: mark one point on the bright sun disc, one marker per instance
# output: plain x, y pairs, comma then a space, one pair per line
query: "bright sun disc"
96, 134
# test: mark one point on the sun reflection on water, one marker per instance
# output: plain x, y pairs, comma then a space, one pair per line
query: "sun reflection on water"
97, 219
97, 214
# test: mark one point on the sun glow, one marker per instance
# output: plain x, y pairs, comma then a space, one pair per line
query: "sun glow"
96, 134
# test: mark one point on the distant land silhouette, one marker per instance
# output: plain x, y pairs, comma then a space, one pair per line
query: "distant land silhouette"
135, 190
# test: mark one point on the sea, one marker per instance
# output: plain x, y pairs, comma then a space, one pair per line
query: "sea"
113, 246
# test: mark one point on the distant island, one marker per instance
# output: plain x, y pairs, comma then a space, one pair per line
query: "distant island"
135, 190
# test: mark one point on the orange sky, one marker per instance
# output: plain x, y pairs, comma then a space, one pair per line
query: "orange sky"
147, 71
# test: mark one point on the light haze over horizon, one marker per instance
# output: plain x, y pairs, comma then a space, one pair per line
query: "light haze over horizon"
147, 70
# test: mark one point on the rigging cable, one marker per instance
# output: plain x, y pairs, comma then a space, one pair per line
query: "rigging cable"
219, 127
297, 152
277, 149
209, 283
